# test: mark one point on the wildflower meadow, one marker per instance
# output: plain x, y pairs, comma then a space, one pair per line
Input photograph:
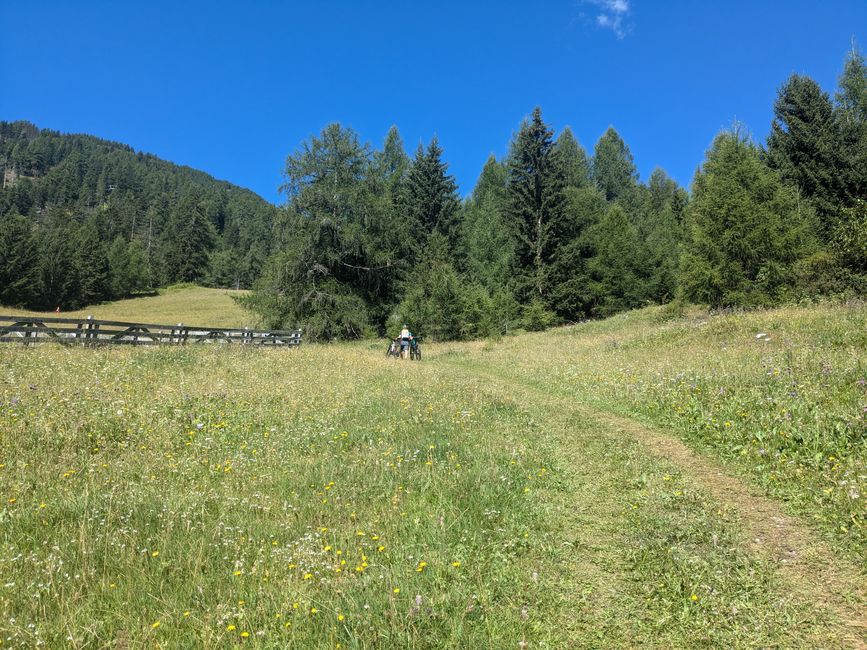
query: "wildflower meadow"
512, 494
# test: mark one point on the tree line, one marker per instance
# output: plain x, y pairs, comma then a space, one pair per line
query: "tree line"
84, 220
369, 239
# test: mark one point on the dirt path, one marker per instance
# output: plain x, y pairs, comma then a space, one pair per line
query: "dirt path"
800, 557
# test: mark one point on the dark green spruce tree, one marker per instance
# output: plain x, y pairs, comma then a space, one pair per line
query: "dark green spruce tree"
430, 200
93, 264
19, 262
191, 236
534, 210
805, 148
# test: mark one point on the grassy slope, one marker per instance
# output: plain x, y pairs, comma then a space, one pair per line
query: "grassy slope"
789, 410
326, 495
186, 304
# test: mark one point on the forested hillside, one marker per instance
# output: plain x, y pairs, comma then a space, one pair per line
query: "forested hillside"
553, 234
368, 239
84, 220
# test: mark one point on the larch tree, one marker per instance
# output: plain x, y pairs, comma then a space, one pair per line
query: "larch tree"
745, 229
613, 168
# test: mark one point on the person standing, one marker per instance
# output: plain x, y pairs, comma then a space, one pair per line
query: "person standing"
405, 338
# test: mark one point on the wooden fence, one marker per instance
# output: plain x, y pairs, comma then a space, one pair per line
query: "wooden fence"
89, 331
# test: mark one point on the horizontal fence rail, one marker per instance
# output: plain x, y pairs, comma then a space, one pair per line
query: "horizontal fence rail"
89, 331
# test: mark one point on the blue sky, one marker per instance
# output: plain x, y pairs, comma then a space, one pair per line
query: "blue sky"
233, 87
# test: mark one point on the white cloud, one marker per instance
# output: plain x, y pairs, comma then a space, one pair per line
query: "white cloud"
613, 15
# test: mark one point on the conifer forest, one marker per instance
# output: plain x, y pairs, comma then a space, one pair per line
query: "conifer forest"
368, 238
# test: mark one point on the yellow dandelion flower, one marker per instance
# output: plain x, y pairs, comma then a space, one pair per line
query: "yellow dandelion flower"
396, 590
187, 613
694, 597
340, 617
245, 634
230, 628
308, 576
237, 573
155, 553
314, 611
456, 563
380, 548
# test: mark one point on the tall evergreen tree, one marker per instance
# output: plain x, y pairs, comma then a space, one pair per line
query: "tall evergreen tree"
322, 278
392, 162
19, 262
431, 198
613, 168
576, 164
661, 231
191, 238
804, 146
536, 182
745, 229
93, 264
488, 242
59, 264
573, 294
851, 118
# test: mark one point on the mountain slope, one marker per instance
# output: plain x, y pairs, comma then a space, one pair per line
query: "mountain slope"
101, 220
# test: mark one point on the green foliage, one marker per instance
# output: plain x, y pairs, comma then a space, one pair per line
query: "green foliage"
804, 146
19, 261
93, 264
433, 302
851, 117
573, 293
617, 268
60, 269
430, 201
192, 237
574, 158
334, 272
745, 229
535, 316
536, 197
128, 267
103, 190
850, 238
614, 171
661, 231
488, 241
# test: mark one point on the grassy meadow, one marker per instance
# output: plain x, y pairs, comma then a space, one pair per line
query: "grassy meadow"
533, 492
182, 303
